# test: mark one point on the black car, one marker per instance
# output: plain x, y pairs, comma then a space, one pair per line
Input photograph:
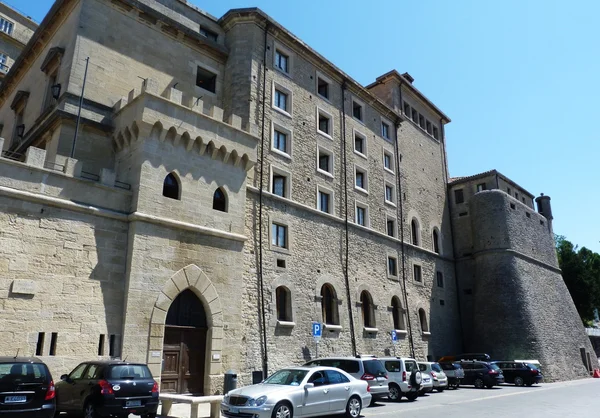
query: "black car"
108, 389
520, 373
481, 374
26, 388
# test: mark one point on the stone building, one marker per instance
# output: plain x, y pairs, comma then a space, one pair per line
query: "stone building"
199, 191
15, 31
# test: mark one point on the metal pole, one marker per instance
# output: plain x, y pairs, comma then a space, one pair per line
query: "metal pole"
87, 61
316, 348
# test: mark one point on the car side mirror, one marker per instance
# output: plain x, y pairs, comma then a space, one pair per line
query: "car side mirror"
309, 386
64, 377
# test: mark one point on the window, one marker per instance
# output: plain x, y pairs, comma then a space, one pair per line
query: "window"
329, 305
421, 121
436, 242
357, 110
282, 140
284, 304
414, 232
53, 341
78, 372
362, 214
6, 26
3, 66
392, 266
429, 127
39, 349
407, 109
459, 196
19, 129
171, 187
50, 100
324, 123
279, 235
391, 227
397, 313
280, 182
112, 345
417, 273
388, 163
325, 200
360, 144
390, 194
220, 200
415, 116
385, 130
508, 191
282, 61
281, 100
423, 320
361, 181
517, 195
325, 161
436, 134
368, 309
208, 34
101, 344
323, 84
206, 80
440, 279
481, 187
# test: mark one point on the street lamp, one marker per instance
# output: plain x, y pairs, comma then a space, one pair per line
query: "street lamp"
56, 90
20, 130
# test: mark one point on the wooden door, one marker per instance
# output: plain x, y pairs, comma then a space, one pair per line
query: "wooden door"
183, 360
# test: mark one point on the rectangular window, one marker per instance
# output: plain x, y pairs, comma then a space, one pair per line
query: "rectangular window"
508, 191
389, 193
360, 143
429, 127
436, 133
281, 100
392, 266
387, 161
208, 34
101, 345
112, 345
361, 179
361, 215
440, 279
279, 235
357, 111
280, 141
206, 80
407, 109
385, 130
517, 195
421, 121
415, 116
324, 125
279, 185
53, 340
481, 187
324, 202
282, 61
322, 88
459, 196
391, 227
39, 348
417, 273
6, 26
325, 160
3, 60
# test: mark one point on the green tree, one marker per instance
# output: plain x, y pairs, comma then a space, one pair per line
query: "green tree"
581, 273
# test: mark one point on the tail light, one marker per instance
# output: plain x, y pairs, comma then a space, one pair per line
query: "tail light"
433, 375
368, 388
534, 371
385, 375
106, 388
367, 376
492, 372
155, 387
51, 392
404, 376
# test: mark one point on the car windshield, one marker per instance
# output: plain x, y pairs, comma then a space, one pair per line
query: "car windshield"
375, 368
23, 372
436, 367
130, 371
533, 366
287, 377
495, 367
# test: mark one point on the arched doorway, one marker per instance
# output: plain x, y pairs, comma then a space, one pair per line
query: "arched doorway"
184, 346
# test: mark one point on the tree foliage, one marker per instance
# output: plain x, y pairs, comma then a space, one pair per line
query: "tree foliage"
581, 273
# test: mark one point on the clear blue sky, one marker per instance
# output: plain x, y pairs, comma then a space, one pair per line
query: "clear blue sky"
518, 78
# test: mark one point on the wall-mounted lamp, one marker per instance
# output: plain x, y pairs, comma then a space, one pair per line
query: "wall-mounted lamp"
20, 130
55, 90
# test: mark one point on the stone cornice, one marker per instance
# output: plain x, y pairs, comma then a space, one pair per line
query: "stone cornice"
5, 36
514, 253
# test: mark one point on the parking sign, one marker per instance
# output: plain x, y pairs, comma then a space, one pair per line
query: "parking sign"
316, 330
394, 337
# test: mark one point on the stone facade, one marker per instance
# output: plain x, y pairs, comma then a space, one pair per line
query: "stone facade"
15, 32
96, 249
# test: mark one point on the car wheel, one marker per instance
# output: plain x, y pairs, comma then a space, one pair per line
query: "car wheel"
89, 411
478, 383
411, 396
353, 407
518, 381
440, 390
489, 386
281, 410
395, 394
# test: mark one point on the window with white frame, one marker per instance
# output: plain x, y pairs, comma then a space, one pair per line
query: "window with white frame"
385, 130
282, 60
3, 60
362, 214
417, 273
390, 227
282, 99
6, 26
323, 86
360, 144
390, 193
361, 181
324, 123
281, 140
392, 266
280, 182
324, 200
279, 235
325, 161
358, 109
388, 161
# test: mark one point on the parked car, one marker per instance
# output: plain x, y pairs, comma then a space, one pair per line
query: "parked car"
108, 388
520, 373
404, 377
454, 372
300, 391
440, 381
466, 356
481, 374
367, 368
26, 388
426, 384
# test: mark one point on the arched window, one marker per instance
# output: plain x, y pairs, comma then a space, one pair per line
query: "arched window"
414, 230
219, 200
284, 304
423, 320
436, 241
171, 187
329, 305
368, 310
397, 313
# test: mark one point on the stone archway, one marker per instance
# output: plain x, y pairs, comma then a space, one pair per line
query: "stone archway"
194, 279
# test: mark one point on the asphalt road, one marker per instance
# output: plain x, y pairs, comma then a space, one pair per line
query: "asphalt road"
565, 399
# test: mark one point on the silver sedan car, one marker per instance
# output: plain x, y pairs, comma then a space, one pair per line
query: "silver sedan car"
299, 392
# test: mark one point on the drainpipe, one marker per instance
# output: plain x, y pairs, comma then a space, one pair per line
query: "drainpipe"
265, 359
347, 245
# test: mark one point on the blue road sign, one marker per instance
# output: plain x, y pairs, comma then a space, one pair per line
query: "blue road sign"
316, 330
394, 337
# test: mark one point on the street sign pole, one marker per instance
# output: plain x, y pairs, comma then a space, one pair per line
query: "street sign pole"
394, 340
316, 333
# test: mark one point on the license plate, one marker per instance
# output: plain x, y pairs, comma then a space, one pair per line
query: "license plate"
130, 404
234, 410
15, 399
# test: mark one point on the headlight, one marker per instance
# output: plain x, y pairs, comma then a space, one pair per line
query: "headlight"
226, 398
257, 402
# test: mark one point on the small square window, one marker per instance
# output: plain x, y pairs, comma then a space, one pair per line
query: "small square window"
325, 161
208, 34
325, 203
417, 273
281, 141
391, 227
280, 182
440, 279
357, 110
415, 116
206, 80
406, 109
279, 235
324, 123
360, 144
442, 302
481, 187
392, 266
388, 161
459, 196
282, 61
281, 100
362, 215
385, 130
390, 194
281, 263
361, 180
322, 88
